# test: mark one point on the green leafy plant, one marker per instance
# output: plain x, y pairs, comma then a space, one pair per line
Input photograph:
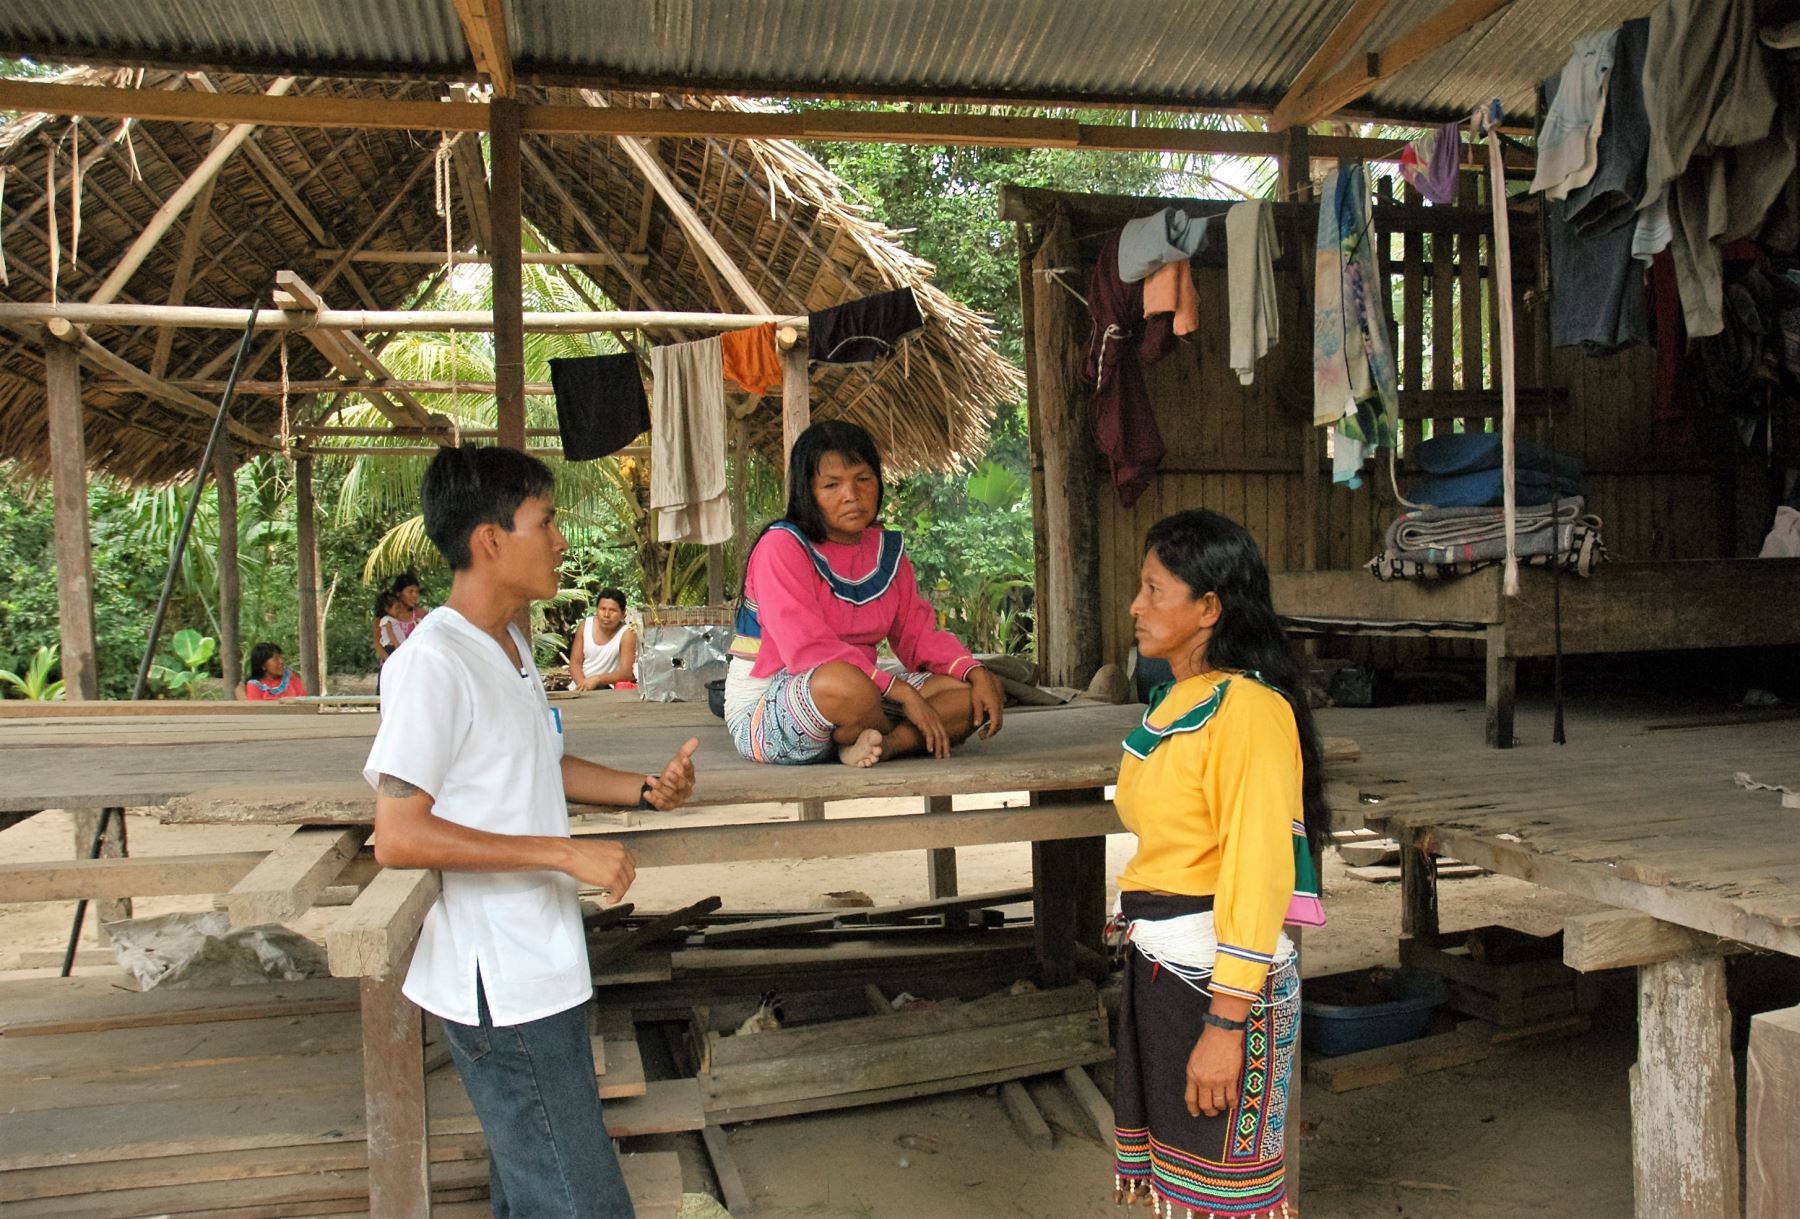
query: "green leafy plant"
36, 684
195, 652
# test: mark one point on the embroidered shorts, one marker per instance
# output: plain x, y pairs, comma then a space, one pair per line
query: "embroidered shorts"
785, 727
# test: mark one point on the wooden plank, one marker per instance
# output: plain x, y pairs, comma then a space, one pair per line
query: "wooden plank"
378, 932
1098, 1109
1616, 939
1771, 1152
286, 882
1340, 42
311, 1195
725, 1169
61, 880
1683, 1093
37, 1007
668, 1106
739, 933
623, 943
394, 1100
1027, 1122
621, 1064
1470, 1042
1352, 595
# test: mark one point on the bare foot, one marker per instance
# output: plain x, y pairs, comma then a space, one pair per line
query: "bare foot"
864, 751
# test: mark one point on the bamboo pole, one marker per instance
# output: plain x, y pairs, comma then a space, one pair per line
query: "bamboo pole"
509, 298
197, 317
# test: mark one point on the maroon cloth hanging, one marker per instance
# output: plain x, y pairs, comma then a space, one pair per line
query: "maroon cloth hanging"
1123, 340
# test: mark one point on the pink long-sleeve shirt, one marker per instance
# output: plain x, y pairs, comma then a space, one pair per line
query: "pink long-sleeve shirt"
806, 623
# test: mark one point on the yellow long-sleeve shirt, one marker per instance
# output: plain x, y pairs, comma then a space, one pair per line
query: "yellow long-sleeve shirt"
1214, 809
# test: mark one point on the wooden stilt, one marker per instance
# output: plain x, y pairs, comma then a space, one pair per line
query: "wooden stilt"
1771, 1148
74, 554
394, 1101
1683, 1093
231, 644
509, 301
796, 400
1502, 689
1418, 886
308, 575
1068, 880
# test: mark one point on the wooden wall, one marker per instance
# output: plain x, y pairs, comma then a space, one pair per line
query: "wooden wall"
1242, 450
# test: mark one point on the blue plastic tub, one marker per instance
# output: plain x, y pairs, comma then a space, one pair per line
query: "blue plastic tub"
1330, 1029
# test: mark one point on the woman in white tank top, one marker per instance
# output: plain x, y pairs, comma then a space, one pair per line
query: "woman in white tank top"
605, 649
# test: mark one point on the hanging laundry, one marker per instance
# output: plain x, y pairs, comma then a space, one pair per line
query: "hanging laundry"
1722, 144
1429, 163
1251, 248
600, 404
1672, 393
1153, 241
1123, 338
863, 331
1596, 286
1355, 385
1609, 201
1566, 155
1170, 289
687, 443
750, 358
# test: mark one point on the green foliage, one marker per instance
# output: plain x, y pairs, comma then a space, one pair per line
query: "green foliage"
970, 542
36, 685
195, 652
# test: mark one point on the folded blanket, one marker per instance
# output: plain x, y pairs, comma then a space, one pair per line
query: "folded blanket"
1446, 529
1580, 551
1484, 489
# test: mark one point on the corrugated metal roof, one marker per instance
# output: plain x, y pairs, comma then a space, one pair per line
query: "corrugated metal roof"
1168, 52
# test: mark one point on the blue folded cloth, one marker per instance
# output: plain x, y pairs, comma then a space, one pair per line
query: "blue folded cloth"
1466, 452
1483, 488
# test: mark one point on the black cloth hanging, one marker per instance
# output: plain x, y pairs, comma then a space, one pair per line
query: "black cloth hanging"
600, 405
862, 331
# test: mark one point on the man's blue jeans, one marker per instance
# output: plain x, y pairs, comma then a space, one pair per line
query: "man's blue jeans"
533, 1089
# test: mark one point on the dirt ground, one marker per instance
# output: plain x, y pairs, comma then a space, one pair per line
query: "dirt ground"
1542, 1129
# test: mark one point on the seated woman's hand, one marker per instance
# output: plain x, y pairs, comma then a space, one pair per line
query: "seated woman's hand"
923, 716
987, 701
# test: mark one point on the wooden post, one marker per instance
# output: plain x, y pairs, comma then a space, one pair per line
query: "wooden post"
940, 867
74, 555
1502, 689
1067, 605
1418, 885
1296, 186
509, 300
740, 500
308, 581
394, 1100
796, 401
715, 575
1068, 881
1771, 1148
1684, 1095
1040, 542
231, 643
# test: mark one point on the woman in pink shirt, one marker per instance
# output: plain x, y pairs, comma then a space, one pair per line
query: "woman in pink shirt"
824, 586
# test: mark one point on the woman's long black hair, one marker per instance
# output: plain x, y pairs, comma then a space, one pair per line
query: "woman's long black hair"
1212, 553
259, 660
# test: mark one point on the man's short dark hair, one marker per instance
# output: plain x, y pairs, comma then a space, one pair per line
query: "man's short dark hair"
466, 488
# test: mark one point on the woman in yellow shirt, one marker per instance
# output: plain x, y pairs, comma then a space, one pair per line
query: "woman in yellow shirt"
1222, 785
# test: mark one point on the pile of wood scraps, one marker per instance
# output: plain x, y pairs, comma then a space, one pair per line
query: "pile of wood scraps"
1369, 856
249, 1102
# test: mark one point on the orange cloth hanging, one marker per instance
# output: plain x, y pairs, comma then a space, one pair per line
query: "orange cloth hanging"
750, 360
1170, 289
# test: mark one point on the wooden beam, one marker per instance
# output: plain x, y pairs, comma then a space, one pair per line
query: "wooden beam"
484, 29
508, 286
200, 217
1684, 1094
435, 258
62, 880
595, 237
1341, 88
186, 193
74, 549
393, 1036
1618, 939
286, 882
348, 353
196, 317
1343, 37
1771, 1152
374, 939
306, 571
231, 655
796, 402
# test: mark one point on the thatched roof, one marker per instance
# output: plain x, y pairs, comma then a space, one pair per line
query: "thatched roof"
293, 192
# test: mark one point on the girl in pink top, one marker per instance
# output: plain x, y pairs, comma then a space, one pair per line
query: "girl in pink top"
823, 588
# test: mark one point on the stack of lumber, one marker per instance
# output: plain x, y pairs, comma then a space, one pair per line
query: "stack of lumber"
248, 1103
894, 1055
1369, 856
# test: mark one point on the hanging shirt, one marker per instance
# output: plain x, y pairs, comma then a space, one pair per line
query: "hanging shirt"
1211, 786
1251, 249
1572, 123
1429, 163
687, 443
600, 404
750, 359
1122, 340
863, 331
1355, 380
1170, 289
460, 722
1151, 242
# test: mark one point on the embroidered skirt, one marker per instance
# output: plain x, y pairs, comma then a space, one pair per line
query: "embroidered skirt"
1201, 1167
786, 728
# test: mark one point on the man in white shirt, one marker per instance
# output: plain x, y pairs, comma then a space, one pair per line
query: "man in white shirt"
471, 779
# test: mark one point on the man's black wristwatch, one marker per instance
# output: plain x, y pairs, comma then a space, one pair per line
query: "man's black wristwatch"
644, 796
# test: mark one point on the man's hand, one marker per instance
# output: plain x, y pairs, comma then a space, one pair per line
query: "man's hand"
987, 701
675, 784
601, 864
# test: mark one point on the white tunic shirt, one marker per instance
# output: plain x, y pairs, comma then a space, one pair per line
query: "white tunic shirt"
459, 721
